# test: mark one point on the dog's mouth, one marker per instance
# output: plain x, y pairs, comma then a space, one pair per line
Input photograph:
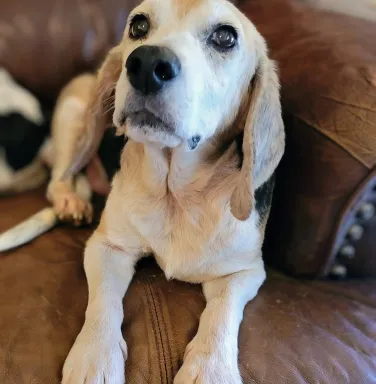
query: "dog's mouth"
145, 126
145, 118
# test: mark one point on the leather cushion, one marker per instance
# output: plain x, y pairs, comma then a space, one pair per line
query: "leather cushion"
293, 332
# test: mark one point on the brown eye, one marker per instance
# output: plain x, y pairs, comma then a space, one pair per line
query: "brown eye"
139, 27
224, 37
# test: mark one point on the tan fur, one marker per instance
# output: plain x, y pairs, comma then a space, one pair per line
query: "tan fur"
264, 111
69, 196
182, 7
193, 209
68, 127
99, 112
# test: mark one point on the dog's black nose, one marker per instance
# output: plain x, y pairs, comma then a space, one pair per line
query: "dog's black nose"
149, 68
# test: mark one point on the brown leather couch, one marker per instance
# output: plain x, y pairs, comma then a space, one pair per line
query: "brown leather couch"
295, 331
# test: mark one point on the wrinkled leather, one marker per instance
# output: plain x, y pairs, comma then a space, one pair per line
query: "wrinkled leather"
295, 332
327, 64
44, 43
314, 182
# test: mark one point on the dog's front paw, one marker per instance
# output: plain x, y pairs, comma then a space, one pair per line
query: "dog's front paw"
96, 359
206, 363
71, 208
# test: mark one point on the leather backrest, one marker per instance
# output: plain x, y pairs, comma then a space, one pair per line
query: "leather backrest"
43, 43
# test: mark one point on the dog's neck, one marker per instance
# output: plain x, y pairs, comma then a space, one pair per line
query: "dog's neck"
185, 167
180, 170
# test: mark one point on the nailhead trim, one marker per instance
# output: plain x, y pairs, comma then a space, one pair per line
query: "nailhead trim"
348, 249
338, 271
355, 232
367, 211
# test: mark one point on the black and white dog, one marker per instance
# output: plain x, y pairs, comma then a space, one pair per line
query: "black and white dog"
24, 125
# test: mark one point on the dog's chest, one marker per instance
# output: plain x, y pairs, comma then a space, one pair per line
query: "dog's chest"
184, 221
196, 239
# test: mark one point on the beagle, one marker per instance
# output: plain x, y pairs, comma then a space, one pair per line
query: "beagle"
193, 89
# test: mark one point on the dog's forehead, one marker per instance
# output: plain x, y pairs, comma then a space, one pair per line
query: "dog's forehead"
189, 11
183, 7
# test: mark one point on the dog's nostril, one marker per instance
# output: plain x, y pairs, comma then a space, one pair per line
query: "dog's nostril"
166, 71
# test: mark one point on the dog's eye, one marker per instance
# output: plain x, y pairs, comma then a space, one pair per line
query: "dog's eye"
224, 37
139, 27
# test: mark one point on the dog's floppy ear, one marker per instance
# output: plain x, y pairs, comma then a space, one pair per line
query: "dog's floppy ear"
263, 139
99, 112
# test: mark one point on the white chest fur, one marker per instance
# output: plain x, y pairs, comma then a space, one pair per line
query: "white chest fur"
179, 210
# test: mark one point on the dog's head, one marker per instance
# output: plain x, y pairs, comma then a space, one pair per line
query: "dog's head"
188, 70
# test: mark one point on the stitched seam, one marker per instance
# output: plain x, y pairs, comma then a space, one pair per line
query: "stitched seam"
171, 371
160, 338
159, 323
149, 299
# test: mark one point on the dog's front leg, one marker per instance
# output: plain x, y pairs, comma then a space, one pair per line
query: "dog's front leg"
69, 204
212, 356
99, 351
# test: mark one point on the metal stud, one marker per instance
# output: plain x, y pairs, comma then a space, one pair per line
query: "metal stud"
366, 211
338, 271
355, 232
347, 251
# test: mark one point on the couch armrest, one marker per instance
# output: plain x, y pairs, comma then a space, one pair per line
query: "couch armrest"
327, 64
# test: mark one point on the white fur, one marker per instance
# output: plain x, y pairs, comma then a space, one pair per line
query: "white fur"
31, 176
175, 203
15, 98
6, 172
40, 223
228, 264
212, 95
71, 198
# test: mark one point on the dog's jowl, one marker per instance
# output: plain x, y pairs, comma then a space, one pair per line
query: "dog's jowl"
187, 77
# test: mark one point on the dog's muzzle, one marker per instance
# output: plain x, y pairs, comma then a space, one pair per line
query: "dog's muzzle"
150, 68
